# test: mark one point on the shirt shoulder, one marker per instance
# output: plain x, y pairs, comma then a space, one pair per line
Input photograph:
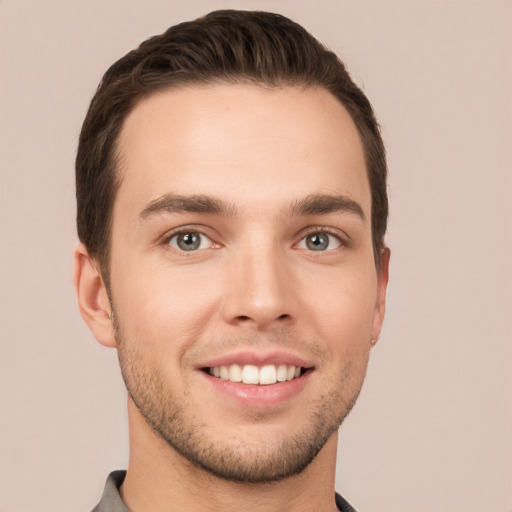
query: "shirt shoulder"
111, 499
343, 505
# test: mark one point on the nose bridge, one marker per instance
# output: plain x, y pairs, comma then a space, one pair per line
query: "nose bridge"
257, 292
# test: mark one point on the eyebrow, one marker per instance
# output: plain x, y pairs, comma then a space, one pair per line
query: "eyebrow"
172, 203
323, 204
316, 204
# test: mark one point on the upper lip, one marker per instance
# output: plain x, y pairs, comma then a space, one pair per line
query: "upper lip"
257, 359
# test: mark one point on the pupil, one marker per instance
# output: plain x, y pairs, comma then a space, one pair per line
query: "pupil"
189, 241
317, 242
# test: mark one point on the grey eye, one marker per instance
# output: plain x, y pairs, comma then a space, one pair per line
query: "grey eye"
319, 242
189, 241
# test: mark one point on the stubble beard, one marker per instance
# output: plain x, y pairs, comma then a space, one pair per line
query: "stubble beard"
232, 459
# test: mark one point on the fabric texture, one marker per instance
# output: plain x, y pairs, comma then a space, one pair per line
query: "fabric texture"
111, 500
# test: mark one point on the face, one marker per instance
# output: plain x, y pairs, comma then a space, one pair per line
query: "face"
243, 282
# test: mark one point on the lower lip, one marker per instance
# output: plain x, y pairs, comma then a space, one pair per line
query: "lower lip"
259, 395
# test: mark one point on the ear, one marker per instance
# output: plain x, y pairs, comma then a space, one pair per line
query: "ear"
382, 284
92, 297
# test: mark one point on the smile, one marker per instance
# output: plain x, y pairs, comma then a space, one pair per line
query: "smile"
259, 375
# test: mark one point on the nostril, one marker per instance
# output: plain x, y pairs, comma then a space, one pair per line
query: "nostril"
245, 318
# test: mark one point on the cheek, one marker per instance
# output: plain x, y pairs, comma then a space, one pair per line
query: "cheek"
344, 308
161, 306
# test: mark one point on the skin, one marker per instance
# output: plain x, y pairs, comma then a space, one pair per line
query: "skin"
252, 162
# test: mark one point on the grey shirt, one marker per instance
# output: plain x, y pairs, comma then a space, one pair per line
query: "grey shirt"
111, 500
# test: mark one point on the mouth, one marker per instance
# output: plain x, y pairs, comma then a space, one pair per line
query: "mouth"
256, 379
257, 375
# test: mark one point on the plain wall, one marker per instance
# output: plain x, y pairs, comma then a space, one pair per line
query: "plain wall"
432, 429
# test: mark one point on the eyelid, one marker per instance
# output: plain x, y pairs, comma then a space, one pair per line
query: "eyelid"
204, 242
340, 235
188, 228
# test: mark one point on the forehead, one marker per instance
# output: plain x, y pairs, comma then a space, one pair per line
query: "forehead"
243, 143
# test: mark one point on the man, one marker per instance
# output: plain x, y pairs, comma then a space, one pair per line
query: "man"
231, 189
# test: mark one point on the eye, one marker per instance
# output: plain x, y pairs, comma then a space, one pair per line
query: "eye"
319, 241
190, 241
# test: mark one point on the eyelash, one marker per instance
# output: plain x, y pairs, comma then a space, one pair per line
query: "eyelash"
322, 230
166, 240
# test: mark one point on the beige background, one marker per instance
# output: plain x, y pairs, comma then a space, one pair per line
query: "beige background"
433, 428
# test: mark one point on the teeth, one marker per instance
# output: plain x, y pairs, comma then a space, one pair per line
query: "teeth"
235, 373
252, 374
268, 374
224, 373
282, 372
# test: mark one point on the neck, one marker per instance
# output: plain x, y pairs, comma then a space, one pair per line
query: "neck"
158, 477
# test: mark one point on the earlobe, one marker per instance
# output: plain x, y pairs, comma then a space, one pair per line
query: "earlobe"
382, 283
92, 297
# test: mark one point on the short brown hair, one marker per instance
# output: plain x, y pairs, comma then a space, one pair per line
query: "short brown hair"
223, 46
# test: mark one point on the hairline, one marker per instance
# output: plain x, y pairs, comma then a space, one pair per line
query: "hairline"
194, 82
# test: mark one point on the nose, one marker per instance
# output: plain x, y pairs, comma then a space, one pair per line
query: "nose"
259, 290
